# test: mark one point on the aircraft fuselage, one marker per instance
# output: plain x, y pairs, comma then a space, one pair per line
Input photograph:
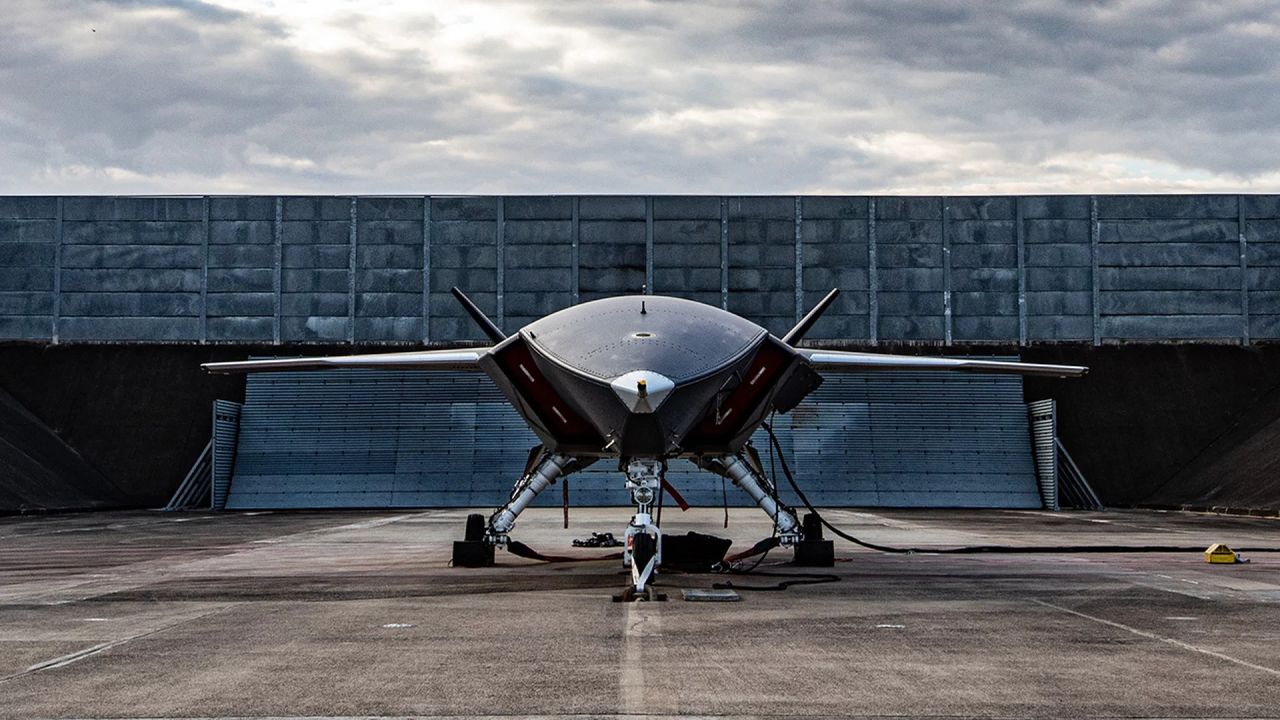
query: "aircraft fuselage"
647, 376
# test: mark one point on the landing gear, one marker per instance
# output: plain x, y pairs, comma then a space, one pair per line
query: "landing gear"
473, 551
747, 476
475, 528
643, 552
483, 536
543, 472
643, 539
811, 550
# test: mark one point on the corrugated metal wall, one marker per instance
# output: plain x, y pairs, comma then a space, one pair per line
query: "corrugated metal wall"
226, 431
359, 438
1044, 448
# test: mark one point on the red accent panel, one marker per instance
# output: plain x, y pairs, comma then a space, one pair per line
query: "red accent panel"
564, 423
758, 380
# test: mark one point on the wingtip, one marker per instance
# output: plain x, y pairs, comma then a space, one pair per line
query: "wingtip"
1072, 371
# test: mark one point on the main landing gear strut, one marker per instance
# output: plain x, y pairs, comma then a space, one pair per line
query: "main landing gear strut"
476, 550
643, 551
744, 470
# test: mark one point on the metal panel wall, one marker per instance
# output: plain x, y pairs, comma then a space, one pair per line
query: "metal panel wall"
1259, 224
835, 252
353, 438
226, 433
537, 252
613, 246
243, 259
374, 270
1044, 449
1170, 267
30, 239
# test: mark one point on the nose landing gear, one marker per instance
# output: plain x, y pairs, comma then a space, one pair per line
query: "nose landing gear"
643, 552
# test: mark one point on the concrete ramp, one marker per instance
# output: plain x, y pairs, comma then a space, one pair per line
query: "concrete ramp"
38, 471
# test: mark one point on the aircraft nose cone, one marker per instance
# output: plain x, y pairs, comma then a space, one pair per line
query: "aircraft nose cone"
642, 391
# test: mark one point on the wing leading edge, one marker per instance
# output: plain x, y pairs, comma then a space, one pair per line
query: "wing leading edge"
464, 359
839, 360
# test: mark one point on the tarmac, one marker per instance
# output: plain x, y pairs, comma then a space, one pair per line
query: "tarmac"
357, 614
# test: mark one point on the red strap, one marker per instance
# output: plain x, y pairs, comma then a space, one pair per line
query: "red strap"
564, 494
684, 505
763, 546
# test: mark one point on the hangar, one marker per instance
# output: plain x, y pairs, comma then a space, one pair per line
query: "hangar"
108, 304
355, 438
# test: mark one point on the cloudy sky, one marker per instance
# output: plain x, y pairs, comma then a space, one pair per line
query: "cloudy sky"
581, 96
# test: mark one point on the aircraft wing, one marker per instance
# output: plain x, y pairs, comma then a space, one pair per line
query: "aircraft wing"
842, 361
464, 359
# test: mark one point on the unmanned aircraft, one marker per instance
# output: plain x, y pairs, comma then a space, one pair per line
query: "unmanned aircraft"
638, 381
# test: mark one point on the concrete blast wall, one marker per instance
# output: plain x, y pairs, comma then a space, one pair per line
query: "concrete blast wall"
377, 270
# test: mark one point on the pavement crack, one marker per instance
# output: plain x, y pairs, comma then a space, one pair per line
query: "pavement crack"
65, 660
1152, 636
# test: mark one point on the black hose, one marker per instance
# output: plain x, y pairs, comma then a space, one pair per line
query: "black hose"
519, 549
795, 579
977, 549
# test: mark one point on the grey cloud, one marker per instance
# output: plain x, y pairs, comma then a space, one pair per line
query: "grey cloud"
192, 93
716, 98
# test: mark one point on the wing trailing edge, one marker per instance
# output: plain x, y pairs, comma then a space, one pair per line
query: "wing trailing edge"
843, 361
464, 359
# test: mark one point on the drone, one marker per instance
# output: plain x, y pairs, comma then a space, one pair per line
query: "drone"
637, 381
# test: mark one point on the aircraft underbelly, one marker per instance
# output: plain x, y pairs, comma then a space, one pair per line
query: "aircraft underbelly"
636, 434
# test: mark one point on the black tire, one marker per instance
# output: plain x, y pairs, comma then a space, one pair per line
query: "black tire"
812, 526
475, 528
643, 548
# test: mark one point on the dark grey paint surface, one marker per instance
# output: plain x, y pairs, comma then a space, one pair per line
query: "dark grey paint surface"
679, 339
375, 270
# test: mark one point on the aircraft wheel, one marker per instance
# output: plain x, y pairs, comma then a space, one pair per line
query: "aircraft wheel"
475, 528
643, 548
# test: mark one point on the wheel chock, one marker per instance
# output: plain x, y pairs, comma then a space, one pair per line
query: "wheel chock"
813, 550
650, 594
1219, 553
815, 553
472, 553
